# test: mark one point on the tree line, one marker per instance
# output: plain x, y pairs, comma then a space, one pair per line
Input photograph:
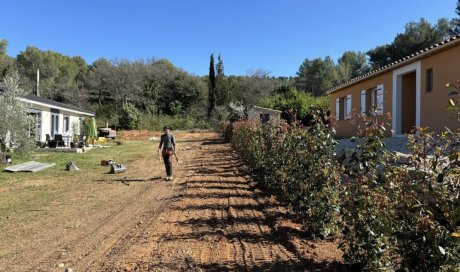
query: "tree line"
120, 90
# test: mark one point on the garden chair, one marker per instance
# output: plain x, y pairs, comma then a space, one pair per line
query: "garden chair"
59, 140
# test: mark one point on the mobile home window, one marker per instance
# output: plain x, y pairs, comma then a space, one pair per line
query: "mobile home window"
429, 80
66, 123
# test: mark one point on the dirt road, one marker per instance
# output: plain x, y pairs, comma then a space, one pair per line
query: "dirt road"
211, 217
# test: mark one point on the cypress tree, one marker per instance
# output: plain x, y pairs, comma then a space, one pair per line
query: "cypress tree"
221, 88
212, 86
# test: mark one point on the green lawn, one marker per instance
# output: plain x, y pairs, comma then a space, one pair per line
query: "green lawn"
21, 193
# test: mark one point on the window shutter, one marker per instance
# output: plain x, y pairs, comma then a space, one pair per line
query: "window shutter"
380, 95
337, 109
363, 102
348, 108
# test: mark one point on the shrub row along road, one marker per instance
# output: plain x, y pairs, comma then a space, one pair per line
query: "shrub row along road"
212, 217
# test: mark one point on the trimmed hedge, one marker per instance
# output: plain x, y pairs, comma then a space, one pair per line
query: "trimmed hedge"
388, 217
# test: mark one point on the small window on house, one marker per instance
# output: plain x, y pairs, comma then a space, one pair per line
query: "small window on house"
66, 123
429, 80
343, 108
264, 117
372, 101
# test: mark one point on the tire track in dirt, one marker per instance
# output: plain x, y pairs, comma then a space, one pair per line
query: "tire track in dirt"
218, 221
120, 219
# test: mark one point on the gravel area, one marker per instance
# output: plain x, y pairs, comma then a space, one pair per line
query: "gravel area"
398, 144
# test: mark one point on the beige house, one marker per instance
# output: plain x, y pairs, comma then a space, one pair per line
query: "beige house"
263, 115
413, 90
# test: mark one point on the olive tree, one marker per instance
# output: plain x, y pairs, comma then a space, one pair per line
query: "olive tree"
14, 120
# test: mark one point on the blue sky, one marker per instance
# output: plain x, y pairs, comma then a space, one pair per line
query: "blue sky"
273, 35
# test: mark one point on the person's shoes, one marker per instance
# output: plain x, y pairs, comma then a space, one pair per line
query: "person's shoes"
167, 178
170, 178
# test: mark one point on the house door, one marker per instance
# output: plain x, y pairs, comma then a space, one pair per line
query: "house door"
406, 106
408, 103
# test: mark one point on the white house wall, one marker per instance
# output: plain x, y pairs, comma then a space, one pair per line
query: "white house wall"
46, 121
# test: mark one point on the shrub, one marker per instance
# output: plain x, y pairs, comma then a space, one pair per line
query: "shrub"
392, 216
367, 217
157, 122
295, 164
410, 218
427, 204
130, 117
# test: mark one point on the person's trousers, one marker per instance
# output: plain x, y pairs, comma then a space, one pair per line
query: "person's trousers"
168, 165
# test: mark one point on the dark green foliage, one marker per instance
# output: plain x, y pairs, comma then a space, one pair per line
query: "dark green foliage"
130, 117
351, 65
295, 106
456, 21
367, 218
59, 75
105, 114
402, 217
417, 36
211, 86
391, 216
6, 62
316, 76
157, 122
428, 210
222, 98
296, 165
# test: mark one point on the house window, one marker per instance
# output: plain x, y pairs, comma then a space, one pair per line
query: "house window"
429, 80
372, 101
66, 124
343, 108
264, 117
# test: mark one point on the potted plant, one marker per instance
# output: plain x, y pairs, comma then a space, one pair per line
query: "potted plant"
75, 136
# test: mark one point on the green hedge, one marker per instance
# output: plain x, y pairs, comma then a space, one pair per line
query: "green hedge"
296, 165
388, 216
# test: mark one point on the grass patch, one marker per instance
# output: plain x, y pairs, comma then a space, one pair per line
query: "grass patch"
22, 193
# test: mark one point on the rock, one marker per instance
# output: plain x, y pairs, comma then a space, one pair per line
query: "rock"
68, 269
402, 158
61, 265
71, 166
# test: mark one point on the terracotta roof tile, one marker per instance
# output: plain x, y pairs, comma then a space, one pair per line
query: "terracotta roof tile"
451, 40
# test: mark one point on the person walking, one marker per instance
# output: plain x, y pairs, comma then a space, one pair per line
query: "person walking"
167, 149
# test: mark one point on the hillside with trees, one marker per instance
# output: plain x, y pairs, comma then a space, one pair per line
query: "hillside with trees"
155, 91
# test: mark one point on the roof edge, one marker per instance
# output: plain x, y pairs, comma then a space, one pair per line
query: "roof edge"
445, 44
30, 98
266, 109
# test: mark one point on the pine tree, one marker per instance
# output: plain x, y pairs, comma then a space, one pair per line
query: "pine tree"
212, 86
457, 10
221, 84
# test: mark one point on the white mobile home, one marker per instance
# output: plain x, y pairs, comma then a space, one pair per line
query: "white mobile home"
54, 118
